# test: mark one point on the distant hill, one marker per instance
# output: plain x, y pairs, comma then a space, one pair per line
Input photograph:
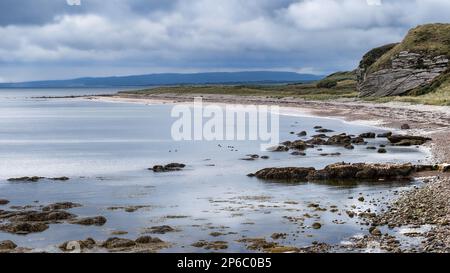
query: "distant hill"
171, 79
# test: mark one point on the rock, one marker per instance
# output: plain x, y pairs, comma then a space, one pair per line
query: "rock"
265, 157
7, 245
113, 243
302, 133
371, 148
148, 240
316, 226
297, 145
407, 140
320, 136
405, 127
445, 168
278, 236
90, 221
382, 151
160, 229
61, 206
4, 202
172, 167
349, 147
367, 135
317, 141
375, 231
280, 148
26, 179
295, 174
324, 130
62, 178
37, 216
24, 228
298, 153
414, 64
217, 245
361, 199
384, 135
343, 171
89, 243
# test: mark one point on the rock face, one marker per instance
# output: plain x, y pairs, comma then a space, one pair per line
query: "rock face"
409, 71
398, 69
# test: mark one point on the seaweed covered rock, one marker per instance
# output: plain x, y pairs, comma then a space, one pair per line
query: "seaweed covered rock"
284, 173
407, 140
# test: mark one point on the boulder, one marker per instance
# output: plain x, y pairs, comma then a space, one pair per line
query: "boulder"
407, 140
295, 174
24, 228
4, 202
61, 206
7, 245
367, 135
90, 221
172, 167
113, 243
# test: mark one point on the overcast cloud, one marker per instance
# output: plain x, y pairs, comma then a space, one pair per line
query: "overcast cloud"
48, 39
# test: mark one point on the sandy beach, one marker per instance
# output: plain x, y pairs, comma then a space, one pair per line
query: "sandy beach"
427, 205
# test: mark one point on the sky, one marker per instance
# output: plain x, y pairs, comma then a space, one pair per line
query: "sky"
50, 39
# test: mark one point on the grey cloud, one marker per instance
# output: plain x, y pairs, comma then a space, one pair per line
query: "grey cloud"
201, 35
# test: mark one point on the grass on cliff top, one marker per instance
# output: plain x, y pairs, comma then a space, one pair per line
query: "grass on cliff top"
431, 39
344, 89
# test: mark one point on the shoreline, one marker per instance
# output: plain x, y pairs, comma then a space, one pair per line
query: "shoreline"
426, 205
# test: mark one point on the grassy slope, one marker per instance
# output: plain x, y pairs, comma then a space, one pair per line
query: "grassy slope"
432, 39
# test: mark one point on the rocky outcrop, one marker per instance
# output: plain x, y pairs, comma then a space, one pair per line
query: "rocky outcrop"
406, 140
172, 167
408, 71
414, 65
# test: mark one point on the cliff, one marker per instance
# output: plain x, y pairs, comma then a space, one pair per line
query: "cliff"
417, 65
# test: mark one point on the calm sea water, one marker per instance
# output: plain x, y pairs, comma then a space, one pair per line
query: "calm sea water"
106, 148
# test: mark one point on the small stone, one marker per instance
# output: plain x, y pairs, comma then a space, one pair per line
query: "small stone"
7, 245
405, 127
316, 225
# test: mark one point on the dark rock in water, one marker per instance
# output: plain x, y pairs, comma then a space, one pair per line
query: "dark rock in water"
368, 135
343, 171
407, 140
316, 226
361, 199
160, 229
302, 133
317, 141
298, 153
24, 228
148, 240
251, 175
4, 202
284, 173
36, 179
349, 147
382, 151
248, 159
7, 245
61, 206
324, 131
358, 141
172, 167
265, 157
89, 243
26, 179
113, 243
382, 146
384, 135
339, 140
371, 148
317, 127
36, 216
405, 127
297, 145
90, 221
62, 178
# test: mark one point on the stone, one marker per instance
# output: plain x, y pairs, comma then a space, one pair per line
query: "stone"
113, 243
172, 167
4, 202
7, 245
90, 221
316, 226
408, 140
382, 151
148, 240
61, 206
24, 228
367, 135
405, 127
295, 174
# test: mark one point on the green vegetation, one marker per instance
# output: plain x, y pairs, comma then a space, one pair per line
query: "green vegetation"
431, 39
339, 79
305, 91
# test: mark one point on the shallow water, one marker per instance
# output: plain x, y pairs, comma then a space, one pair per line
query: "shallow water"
106, 148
